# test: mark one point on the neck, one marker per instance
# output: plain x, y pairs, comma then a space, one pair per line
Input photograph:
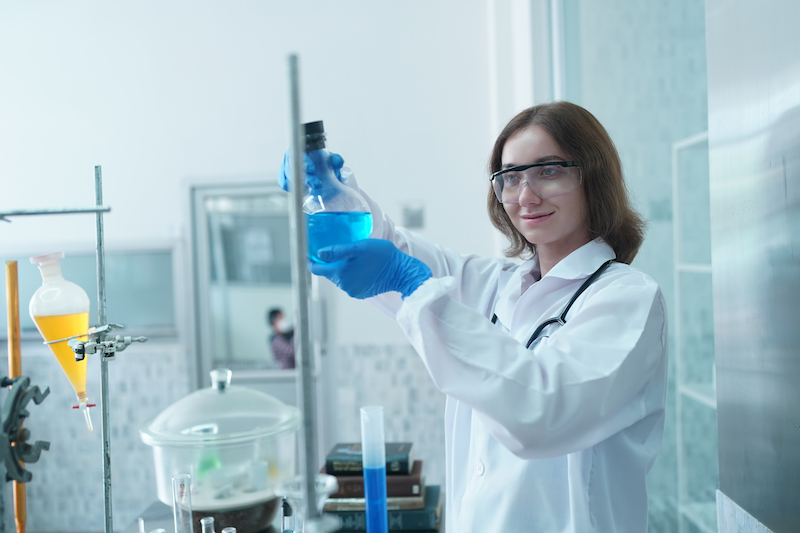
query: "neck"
551, 254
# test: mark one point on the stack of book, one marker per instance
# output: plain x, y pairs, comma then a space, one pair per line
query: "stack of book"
412, 506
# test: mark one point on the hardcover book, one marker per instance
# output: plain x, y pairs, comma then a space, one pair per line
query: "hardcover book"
352, 486
395, 503
425, 519
345, 458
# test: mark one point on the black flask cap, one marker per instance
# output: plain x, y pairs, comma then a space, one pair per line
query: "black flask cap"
315, 136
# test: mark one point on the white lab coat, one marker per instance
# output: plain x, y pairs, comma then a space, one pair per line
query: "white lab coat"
555, 438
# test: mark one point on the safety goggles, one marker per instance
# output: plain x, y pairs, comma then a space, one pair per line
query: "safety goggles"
545, 180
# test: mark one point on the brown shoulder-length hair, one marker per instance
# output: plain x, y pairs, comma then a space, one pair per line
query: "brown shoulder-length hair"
586, 141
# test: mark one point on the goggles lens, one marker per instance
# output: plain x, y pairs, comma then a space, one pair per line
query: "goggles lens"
545, 180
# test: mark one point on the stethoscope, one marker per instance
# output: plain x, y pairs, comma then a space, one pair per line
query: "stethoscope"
562, 317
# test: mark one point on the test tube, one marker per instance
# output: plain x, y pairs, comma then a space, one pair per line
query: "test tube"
373, 456
287, 517
182, 503
207, 524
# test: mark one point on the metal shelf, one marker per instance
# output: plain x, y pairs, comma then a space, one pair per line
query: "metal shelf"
697, 268
703, 515
701, 392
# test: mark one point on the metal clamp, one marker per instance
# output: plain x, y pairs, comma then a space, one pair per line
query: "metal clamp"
97, 343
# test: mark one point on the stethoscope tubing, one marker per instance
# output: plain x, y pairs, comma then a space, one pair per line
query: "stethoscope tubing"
561, 319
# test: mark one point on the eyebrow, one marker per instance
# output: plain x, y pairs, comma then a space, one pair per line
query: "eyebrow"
542, 159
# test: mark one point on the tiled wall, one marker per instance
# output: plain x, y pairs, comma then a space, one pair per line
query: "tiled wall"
66, 492
393, 376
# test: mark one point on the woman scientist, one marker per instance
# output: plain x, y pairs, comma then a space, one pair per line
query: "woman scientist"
555, 370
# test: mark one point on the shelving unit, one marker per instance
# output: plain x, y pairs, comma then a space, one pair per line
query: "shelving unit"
696, 431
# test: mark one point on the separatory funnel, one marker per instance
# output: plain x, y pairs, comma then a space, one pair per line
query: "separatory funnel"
60, 310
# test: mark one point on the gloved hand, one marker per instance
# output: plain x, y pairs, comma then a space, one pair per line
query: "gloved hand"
285, 174
370, 267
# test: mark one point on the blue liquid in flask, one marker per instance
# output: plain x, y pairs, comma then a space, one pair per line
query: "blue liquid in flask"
326, 229
375, 503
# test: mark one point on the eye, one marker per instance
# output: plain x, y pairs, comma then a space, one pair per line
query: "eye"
551, 171
510, 179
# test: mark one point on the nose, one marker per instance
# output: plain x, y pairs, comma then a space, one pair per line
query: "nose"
527, 195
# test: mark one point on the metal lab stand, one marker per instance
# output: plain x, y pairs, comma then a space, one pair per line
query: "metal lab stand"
99, 341
314, 521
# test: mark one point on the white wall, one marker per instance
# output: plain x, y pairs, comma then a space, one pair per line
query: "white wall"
157, 92
162, 92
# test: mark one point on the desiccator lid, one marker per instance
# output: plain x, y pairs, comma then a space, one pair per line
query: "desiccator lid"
220, 414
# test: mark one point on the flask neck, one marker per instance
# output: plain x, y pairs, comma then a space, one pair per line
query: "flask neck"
50, 271
315, 141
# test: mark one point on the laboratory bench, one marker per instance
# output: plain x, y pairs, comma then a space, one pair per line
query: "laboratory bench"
159, 515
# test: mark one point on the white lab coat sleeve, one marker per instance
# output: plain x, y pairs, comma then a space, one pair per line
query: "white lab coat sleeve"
581, 385
474, 273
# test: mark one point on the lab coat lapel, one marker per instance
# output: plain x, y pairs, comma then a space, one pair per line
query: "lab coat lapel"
523, 304
582, 263
508, 295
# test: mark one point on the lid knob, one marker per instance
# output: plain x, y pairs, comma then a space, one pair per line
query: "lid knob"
221, 379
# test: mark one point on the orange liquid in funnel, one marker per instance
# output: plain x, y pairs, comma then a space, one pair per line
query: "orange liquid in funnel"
56, 327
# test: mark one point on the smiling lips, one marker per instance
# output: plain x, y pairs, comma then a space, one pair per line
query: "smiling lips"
535, 218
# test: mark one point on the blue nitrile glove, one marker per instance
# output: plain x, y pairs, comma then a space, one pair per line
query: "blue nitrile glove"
370, 267
284, 176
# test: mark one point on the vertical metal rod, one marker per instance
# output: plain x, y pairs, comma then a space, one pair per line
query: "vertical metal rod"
557, 49
306, 392
14, 371
218, 259
101, 320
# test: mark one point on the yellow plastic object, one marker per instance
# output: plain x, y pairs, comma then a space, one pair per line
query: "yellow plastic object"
60, 309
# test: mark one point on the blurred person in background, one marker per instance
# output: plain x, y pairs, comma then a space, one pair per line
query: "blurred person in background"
281, 341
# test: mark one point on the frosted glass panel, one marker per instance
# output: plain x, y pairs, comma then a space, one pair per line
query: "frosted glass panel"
697, 328
695, 210
699, 464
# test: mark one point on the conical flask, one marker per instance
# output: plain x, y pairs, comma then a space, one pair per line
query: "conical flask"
60, 310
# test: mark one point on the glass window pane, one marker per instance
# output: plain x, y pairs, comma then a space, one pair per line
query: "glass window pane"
245, 255
139, 289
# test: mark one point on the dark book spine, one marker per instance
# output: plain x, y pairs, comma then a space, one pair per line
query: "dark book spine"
353, 487
406, 520
408, 485
395, 464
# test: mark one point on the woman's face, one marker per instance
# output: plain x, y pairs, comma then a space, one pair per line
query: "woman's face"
558, 225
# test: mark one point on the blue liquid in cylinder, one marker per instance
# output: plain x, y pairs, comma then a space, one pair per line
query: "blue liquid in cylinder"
326, 229
375, 504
